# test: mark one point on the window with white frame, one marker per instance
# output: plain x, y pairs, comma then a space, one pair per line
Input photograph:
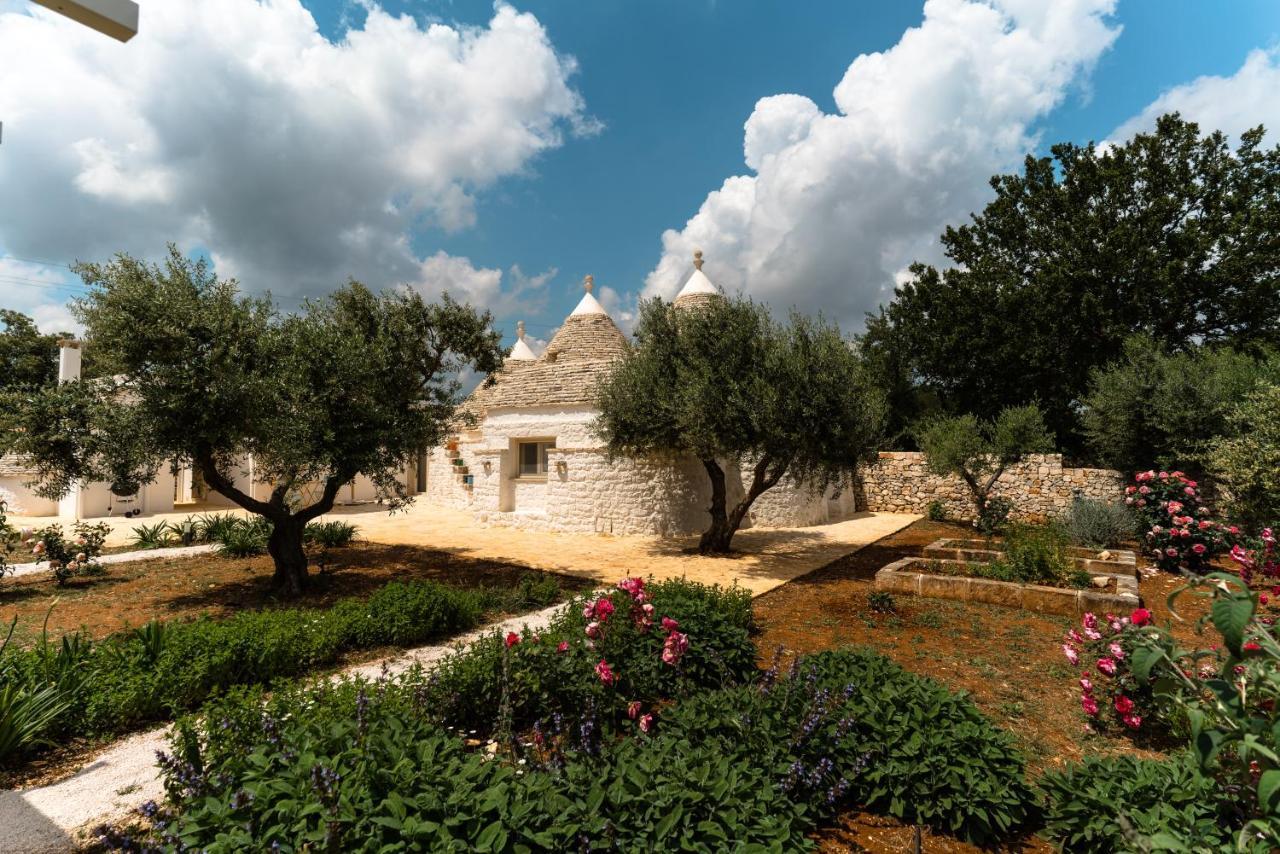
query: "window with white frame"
532, 457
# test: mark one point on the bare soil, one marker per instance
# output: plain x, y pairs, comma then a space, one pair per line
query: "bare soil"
131, 594
1010, 662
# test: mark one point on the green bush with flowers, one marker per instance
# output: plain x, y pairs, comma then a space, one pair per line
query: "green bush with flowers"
1177, 526
1228, 782
68, 557
1110, 693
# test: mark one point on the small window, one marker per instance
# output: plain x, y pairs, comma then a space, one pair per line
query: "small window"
533, 458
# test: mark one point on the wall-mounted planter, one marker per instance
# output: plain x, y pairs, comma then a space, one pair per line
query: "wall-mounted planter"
457, 461
911, 575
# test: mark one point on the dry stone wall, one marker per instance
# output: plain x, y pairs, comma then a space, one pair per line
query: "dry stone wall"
1039, 487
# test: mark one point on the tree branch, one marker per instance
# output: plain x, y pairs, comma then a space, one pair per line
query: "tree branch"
224, 486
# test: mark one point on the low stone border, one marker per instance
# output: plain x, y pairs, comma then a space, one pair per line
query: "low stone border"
1120, 562
122, 557
909, 575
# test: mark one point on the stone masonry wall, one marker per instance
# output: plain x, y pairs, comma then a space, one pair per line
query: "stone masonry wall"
1039, 487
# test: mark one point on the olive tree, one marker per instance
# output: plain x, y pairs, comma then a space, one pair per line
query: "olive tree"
1245, 462
978, 452
199, 375
727, 384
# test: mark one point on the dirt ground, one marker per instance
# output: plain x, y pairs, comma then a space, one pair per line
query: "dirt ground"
1010, 661
131, 594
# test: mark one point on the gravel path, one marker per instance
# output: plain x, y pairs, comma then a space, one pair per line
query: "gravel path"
58, 817
119, 557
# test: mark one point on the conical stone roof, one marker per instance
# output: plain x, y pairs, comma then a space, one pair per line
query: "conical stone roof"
698, 290
580, 354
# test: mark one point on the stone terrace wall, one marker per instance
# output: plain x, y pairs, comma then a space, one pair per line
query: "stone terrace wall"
1039, 487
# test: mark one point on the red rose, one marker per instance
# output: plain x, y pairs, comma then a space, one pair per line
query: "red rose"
1140, 617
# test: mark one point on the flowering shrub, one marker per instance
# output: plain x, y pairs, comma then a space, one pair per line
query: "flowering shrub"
1110, 694
1230, 694
1258, 565
7, 537
639, 643
68, 558
1179, 532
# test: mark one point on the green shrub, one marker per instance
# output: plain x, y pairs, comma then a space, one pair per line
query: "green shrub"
552, 672
1034, 554
243, 537
1246, 461
913, 750
994, 516
70, 557
213, 527
151, 536
936, 511
1122, 803
1098, 524
330, 534
148, 674
360, 766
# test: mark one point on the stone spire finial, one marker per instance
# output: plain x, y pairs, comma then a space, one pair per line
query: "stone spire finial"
588, 283
520, 329
697, 259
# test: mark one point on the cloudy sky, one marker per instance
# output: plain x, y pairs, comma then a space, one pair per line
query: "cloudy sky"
812, 150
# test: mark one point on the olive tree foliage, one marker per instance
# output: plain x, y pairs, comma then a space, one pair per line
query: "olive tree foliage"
353, 384
1245, 461
1153, 408
728, 385
978, 452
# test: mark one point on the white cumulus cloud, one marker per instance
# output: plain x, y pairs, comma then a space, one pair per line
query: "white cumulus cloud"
235, 127
1234, 104
839, 203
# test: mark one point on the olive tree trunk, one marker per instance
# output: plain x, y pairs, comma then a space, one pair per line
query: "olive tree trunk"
718, 537
287, 529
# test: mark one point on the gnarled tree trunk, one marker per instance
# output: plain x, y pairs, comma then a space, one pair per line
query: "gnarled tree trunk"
718, 538
287, 529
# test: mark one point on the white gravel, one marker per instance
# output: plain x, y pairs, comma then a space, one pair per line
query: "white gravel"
60, 816
120, 557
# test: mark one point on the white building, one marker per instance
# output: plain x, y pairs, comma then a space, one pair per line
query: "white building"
533, 461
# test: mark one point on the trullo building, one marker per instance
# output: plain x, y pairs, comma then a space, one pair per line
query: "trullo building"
532, 460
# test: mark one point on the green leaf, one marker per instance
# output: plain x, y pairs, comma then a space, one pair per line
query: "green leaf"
1231, 616
1269, 790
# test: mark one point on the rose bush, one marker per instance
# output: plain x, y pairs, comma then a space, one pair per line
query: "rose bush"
69, 557
1110, 694
1179, 529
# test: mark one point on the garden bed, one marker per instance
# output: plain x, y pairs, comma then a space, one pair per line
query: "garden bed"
953, 579
1093, 561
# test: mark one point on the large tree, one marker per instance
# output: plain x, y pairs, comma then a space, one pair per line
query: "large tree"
1172, 234
353, 384
727, 384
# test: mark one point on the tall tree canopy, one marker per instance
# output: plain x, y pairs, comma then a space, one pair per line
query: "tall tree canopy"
1172, 234
354, 384
727, 384
28, 360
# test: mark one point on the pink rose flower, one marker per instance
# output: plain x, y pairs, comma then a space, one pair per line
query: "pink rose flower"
1074, 636
1144, 490
1117, 651
632, 586
1090, 705
1171, 551
1199, 548
647, 608
674, 648
563, 646
604, 608
1107, 666
1142, 502
1132, 721
633, 709
605, 672
669, 625
646, 723
593, 629
1089, 620
1086, 685
1189, 490
1070, 652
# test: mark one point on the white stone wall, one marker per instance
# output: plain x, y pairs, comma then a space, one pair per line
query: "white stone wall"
1039, 487
585, 492
22, 500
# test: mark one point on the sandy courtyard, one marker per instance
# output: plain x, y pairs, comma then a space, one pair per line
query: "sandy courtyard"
763, 559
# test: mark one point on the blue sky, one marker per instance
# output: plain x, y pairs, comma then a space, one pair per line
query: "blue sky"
670, 84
